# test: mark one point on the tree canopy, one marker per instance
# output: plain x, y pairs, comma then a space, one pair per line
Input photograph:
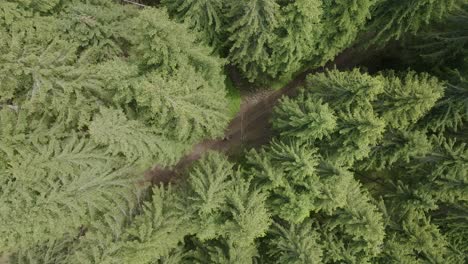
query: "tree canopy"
101, 98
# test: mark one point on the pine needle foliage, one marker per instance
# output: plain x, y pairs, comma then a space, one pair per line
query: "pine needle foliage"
298, 244
295, 41
76, 129
342, 90
132, 139
269, 40
251, 33
52, 188
177, 105
407, 99
204, 16
342, 21
391, 19
304, 117
449, 113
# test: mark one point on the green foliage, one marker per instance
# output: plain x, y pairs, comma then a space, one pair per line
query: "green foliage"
159, 229
294, 45
271, 39
342, 21
393, 19
361, 168
132, 139
297, 180
251, 32
450, 112
304, 117
78, 123
397, 146
165, 45
357, 132
407, 99
446, 40
342, 90
101, 27
414, 240
298, 244
177, 105
59, 185
355, 232
203, 16
446, 168
415, 174
243, 219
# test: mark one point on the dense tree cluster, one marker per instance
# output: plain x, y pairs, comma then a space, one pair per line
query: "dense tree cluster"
362, 166
91, 94
268, 39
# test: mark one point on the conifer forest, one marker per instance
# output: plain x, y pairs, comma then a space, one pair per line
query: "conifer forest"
233, 131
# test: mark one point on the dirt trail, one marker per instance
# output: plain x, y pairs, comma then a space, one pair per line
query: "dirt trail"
251, 125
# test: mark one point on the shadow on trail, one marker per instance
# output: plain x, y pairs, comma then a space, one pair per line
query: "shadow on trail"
251, 126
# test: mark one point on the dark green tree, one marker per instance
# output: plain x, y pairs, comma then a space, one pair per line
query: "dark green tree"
251, 31
391, 20
342, 21
299, 30
207, 17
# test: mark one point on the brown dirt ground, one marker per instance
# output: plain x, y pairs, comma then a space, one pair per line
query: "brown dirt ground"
250, 127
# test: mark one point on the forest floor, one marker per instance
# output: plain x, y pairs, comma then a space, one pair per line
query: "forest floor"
251, 126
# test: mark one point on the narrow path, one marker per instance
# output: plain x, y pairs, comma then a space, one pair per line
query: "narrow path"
250, 127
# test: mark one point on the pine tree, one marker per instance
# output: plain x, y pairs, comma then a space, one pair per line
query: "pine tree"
304, 117
168, 47
76, 126
446, 169
54, 187
299, 31
132, 139
342, 21
251, 33
414, 240
342, 90
446, 40
98, 26
207, 17
406, 99
246, 219
397, 147
297, 180
178, 105
449, 113
162, 225
298, 244
355, 232
358, 131
391, 19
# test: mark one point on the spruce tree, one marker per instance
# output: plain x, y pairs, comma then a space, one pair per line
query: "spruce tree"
251, 32
342, 90
393, 19
342, 21
299, 30
298, 244
449, 113
406, 99
101, 26
77, 130
304, 117
441, 43
207, 17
